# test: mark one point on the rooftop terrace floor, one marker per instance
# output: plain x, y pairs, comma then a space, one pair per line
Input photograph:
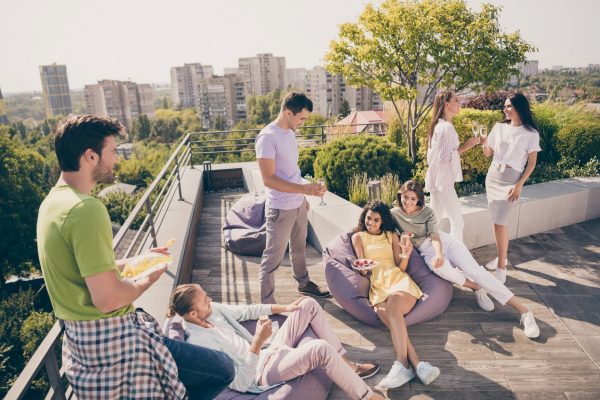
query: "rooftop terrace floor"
481, 355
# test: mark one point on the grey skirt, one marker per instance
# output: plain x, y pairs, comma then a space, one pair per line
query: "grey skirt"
497, 186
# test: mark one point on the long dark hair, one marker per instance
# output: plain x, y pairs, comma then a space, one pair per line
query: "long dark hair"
387, 223
440, 100
521, 104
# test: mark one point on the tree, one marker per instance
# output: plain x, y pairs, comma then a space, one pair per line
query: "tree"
404, 50
344, 108
142, 128
23, 175
264, 109
219, 123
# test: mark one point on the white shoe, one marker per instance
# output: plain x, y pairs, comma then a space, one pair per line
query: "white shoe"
427, 373
398, 376
492, 265
530, 327
501, 275
483, 300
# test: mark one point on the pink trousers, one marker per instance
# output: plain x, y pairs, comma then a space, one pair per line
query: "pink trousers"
287, 361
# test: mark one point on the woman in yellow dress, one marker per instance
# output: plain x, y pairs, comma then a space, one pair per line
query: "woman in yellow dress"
393, 293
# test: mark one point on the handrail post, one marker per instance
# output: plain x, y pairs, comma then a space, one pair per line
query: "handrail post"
178, 178
54, 375
151, 221
322, 135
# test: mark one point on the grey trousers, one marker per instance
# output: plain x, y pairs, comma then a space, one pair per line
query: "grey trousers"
283, 226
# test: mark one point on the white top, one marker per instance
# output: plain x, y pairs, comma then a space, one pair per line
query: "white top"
512, 145
443, 159
280, 145
231, 338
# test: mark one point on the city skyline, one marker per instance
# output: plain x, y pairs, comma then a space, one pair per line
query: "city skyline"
161, 37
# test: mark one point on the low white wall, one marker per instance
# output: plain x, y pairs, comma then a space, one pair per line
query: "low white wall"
543, 207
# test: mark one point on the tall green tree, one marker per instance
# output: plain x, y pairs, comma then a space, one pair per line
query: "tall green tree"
23, 183
404, 50
142, 128
264, 109
344, 108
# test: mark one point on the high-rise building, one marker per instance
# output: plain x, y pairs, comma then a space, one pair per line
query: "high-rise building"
328, 91
123, 100
3, 116
55, 86
221, 98
262, 74
184, 84
295, 79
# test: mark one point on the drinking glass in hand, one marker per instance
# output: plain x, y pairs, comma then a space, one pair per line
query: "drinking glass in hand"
475, 128
405, 241
322, 182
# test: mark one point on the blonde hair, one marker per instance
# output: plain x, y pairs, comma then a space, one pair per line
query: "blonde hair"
182, 299
440, 100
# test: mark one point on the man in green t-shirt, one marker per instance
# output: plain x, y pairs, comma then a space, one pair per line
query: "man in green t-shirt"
110, 350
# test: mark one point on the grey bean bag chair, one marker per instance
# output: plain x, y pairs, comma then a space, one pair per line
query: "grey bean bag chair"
244, 230
351, 289
314, 385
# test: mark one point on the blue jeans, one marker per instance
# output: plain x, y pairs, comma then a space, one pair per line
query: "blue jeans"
204, 372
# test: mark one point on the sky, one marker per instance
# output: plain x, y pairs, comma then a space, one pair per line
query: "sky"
142, 40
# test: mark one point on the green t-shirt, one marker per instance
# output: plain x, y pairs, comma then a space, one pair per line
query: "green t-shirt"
74, 239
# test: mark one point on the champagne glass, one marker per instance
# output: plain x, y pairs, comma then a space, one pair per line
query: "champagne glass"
475, 128
323, 183
483, 131
405, 241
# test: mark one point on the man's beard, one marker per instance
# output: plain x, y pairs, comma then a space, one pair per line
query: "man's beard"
103, 174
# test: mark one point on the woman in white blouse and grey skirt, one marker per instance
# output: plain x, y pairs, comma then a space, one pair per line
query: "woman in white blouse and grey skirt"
514, 144
443, 161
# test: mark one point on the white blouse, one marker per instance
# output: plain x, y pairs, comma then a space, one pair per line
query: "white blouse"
443, 159
512, 145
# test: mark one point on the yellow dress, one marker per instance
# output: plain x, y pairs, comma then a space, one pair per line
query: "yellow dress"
386, 278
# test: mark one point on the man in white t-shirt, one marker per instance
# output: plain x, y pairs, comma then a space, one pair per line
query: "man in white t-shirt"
277, 155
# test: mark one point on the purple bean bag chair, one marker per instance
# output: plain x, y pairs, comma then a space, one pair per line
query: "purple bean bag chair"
314, 385
244, 230
351, 289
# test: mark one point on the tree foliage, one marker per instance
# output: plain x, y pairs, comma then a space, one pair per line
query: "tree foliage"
23, 184
404, 50
264, 109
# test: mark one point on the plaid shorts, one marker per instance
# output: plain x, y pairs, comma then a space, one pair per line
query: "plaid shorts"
119, 358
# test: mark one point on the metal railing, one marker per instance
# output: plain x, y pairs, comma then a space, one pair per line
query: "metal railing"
150, 205
209, 146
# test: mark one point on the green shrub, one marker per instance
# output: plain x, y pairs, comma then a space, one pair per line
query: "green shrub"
545, 116
342, 158
306, 160
579, 142
34, 330
389, 188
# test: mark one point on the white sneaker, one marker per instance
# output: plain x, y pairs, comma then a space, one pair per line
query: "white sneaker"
501, 275
427, 373
483, 300
397, 376
530, 327
492, 265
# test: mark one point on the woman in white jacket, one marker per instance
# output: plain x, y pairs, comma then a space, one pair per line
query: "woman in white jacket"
443, 161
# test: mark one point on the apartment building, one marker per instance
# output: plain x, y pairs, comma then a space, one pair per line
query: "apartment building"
295, 79
55, 88
123, 100
262, 74
185, 81
221, 98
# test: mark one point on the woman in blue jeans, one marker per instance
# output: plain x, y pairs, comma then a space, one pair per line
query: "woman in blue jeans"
204, 372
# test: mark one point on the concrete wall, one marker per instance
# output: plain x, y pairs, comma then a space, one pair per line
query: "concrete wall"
543, 207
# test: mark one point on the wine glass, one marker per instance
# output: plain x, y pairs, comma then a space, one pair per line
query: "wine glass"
405, 241
483, 131
475, 128
323, 183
